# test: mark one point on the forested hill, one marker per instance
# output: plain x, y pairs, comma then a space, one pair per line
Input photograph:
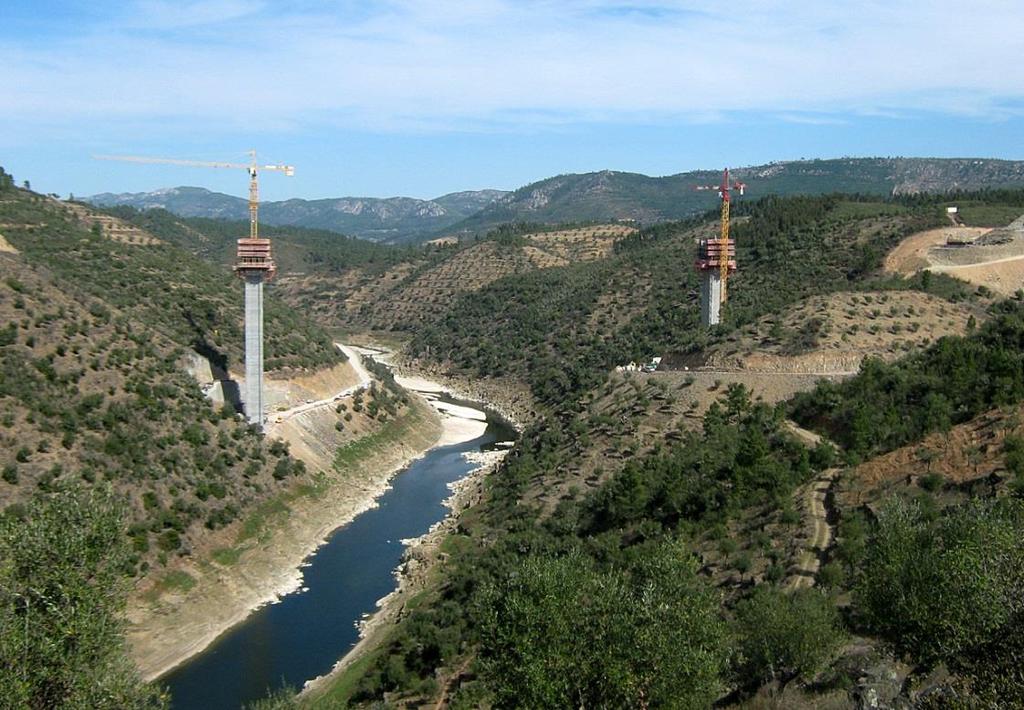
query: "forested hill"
561, 329
590, 197
296, 249
609, 195
93, 390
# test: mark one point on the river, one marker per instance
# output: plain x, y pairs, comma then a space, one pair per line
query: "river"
304, 634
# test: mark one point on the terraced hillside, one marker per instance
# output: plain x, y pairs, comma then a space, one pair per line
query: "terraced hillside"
194, 303
422, 290
562, 328
834, 333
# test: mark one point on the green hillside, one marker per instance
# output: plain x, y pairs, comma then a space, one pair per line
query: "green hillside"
560, 329
193, 303
296, 249
629, 553
93, 391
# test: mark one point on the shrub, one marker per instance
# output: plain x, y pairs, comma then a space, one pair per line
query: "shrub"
282, 469
556, 632
782, 635
169, 540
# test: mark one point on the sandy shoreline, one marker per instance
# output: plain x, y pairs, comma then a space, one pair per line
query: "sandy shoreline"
185, 624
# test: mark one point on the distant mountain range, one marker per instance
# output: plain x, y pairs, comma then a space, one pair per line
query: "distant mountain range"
604, 195
391, 219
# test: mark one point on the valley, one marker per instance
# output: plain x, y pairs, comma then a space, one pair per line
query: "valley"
866, 377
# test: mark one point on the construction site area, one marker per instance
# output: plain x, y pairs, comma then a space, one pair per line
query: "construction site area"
993, 258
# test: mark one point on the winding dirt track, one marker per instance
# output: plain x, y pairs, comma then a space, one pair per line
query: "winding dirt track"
806, 568
810, 559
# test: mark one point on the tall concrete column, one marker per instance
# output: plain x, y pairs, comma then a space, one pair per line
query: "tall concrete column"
710, 298
254, 348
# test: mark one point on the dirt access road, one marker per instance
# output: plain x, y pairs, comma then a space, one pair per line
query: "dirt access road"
998, 266
814, 500
364, 382
1004, 276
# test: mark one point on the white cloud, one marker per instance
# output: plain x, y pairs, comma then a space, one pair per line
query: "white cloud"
409, 65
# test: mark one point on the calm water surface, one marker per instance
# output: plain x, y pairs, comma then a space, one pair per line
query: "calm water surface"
304, 634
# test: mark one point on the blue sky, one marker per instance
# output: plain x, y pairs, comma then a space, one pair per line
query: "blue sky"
423, 98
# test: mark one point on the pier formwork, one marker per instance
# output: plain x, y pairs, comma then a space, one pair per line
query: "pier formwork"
712, 255
710, 298
255, 266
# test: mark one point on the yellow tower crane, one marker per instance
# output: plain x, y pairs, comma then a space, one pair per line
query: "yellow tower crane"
721, 255
252, 167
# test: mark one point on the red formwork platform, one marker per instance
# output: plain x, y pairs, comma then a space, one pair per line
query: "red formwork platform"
254, 258
711, 253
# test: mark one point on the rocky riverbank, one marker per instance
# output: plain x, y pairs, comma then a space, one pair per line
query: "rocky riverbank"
225, 581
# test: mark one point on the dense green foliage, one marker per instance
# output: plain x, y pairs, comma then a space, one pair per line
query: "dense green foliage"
740, 458
994, 670
557, 632
954, 380
61, 597
783, 635
938, 587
